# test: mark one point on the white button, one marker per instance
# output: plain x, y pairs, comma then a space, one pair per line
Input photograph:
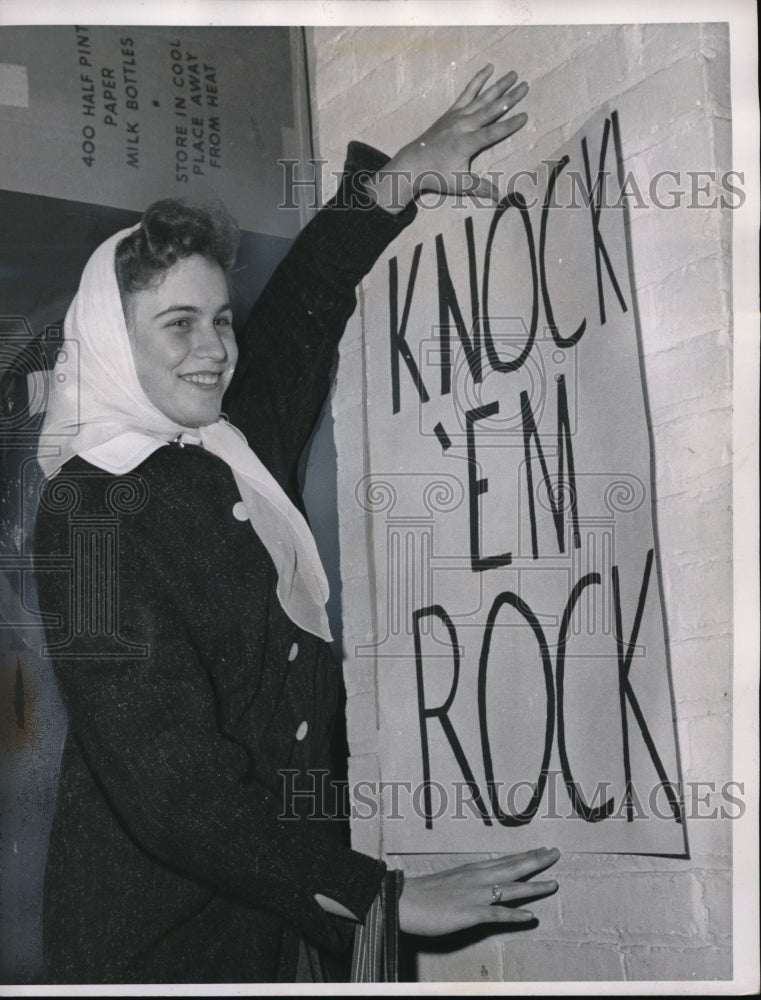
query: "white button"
293, 652
239, 511
302, 730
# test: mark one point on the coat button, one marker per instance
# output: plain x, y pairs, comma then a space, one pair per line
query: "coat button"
239, 511
302, 730
293, 652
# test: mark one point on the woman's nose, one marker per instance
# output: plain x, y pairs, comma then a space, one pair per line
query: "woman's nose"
210, 344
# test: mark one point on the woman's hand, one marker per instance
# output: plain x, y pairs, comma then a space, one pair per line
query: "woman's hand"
479, 893
439, 160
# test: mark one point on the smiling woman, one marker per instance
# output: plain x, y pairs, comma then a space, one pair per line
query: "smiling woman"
186, 599
175, 297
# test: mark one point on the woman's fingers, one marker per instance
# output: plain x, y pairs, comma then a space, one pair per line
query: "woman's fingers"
513, 866
509, 867
500, 915
492, 134
483, 124
496, 90
499, 105
524, 865
473, 88
513, 891
503, 911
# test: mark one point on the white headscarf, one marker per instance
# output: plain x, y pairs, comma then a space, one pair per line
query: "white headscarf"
98, 409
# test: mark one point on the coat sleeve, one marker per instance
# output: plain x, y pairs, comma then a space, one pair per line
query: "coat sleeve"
145, 720
288, 343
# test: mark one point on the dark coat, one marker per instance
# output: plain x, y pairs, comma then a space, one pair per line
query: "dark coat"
173, 855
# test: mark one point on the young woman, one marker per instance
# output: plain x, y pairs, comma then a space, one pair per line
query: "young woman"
186, 595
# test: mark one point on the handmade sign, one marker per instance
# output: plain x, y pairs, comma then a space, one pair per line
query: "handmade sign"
522, 669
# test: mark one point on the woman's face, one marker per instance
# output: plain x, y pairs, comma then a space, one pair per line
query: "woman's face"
183, 342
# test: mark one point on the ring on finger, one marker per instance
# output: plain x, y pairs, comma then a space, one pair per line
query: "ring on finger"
496, 893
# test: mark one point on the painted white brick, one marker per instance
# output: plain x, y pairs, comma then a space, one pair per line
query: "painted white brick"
723, 139
481, 962
715, 54
693, 148
327, 42
661, 963
568, 78
662, 242
676, 91
618, 907
690, 521
714, 37
698, 598
378, 45
702, 673
663, 44
685, 302
336, 75
529, 55
716, 889
476, 39
394, 128
710, 750
608, 70
537, 961
427, 64
694, 372
694, 445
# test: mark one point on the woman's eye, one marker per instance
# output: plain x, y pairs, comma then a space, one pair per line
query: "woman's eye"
223, 321
180, 323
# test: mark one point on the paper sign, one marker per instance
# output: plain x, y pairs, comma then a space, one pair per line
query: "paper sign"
522, 668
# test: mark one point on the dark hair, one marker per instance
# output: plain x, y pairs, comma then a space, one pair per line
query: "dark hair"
170, 230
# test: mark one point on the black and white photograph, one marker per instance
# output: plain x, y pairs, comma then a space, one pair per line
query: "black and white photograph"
379, 577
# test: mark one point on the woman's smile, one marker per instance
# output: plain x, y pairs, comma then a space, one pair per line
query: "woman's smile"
204, 380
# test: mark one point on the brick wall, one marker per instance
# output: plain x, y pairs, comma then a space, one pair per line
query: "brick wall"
614, 917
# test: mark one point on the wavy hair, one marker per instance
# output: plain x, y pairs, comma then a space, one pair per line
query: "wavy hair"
170, 230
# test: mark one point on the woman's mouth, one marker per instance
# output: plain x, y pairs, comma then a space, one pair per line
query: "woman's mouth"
206, 380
